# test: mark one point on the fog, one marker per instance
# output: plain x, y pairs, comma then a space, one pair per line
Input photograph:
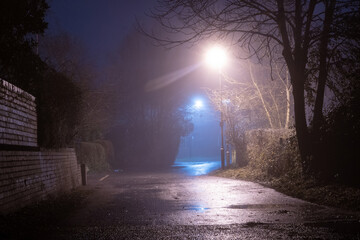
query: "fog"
139, 96
199, 152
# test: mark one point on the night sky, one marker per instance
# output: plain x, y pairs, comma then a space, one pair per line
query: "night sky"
99, 25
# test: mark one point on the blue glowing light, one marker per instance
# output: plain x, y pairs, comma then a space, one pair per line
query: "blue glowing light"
197, 168
198, 104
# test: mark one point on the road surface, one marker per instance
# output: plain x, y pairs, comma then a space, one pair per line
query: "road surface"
181, 204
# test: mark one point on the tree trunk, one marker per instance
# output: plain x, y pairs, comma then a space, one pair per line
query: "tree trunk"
287, 87
260, 96
296, 63
288, 100
301, 128
276, 109
323, 50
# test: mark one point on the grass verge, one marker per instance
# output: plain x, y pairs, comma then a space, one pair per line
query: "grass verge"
334, 195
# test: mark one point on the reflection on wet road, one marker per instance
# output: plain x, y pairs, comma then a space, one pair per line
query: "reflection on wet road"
196, 168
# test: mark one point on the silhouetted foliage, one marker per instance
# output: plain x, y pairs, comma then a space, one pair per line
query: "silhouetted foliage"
338, 138
20, 21
59, 101
67, 55
341, 137
341, 131
57, 96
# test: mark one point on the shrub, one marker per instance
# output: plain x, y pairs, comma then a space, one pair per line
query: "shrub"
340, 141
273, 152
93, 155
58, 106
108, 150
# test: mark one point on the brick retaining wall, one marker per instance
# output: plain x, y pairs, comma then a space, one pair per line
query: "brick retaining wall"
30, 176
18, 121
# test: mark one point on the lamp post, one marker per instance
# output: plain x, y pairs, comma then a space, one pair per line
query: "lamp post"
197, 106
216, 58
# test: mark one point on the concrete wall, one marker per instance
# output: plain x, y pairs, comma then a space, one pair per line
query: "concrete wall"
18, 122
28, 174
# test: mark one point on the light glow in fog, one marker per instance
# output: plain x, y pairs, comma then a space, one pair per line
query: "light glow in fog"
196, 168
198, 104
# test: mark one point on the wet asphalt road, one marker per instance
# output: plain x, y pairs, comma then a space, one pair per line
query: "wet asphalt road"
172, 204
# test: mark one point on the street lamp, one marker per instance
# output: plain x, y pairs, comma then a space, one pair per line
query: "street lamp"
198, 104
216, 58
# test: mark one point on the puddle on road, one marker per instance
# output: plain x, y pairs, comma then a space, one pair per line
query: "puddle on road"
196, 208
242, 206
196, 168
258, 206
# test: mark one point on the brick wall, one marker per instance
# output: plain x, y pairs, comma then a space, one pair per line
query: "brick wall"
18, 122
29, 174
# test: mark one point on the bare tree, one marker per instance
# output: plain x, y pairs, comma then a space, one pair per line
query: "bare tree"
266, 101
302, 30
66, 55
253, 102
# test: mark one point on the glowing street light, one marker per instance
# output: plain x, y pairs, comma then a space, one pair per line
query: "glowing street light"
216, 58
198, 104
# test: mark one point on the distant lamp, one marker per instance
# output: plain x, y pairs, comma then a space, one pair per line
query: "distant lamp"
198, 104
226, 101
